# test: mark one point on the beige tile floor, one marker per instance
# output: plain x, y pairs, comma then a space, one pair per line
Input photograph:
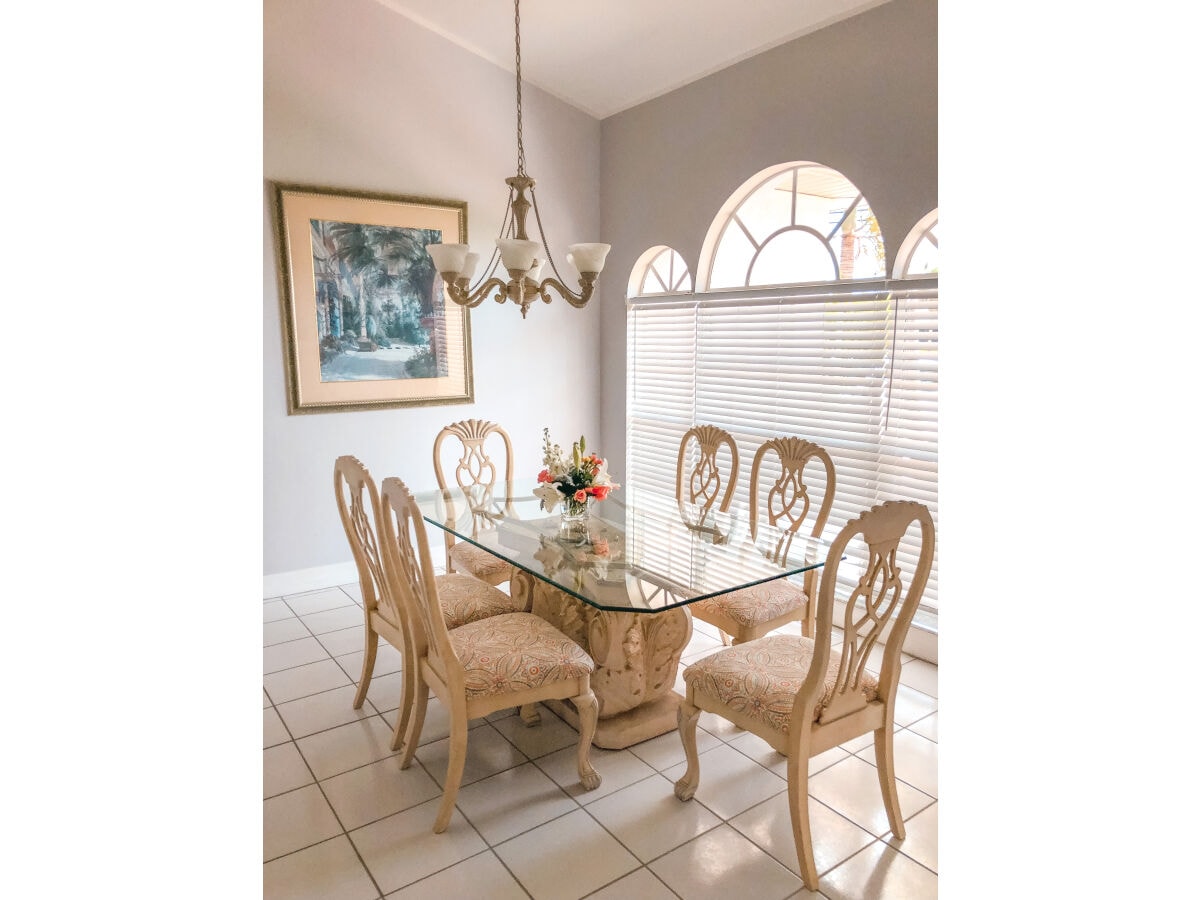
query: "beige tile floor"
341, 821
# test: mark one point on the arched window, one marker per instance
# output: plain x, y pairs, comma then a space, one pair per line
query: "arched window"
793, 224
918, 254
660, 270
794, 329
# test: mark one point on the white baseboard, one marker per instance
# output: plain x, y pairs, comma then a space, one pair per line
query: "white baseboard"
300, 580
922, 643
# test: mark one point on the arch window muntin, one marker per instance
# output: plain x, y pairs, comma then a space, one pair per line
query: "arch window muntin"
921, 243
819, 204
665, 267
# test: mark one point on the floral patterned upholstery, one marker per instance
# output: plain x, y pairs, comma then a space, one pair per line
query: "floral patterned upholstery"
465, 599
760, 678
754, 605
478, 562
515, 652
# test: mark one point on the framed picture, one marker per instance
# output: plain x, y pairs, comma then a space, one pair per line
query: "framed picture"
365, 320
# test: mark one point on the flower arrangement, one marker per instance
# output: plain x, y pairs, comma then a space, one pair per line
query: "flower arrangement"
571, 480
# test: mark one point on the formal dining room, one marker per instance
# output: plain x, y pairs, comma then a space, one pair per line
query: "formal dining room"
613, 452
600, 408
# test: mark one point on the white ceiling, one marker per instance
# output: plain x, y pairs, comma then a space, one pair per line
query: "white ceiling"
604, 56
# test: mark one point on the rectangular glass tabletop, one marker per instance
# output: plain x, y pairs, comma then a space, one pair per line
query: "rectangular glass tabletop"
643, 551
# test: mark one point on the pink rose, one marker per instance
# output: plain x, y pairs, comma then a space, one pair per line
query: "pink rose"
580, 496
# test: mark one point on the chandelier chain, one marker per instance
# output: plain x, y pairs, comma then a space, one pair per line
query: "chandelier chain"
520, 139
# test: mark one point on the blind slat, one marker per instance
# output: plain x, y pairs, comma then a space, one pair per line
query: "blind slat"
854, 371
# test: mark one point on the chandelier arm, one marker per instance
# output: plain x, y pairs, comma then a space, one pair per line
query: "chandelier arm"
463, 296
576, 300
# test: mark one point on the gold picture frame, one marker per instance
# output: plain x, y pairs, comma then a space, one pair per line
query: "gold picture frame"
365, 321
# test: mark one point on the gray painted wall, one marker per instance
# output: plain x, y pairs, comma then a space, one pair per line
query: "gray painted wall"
859, 96
356, 96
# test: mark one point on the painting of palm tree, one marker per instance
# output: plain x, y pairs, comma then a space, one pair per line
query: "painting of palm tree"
380, 309
363, 311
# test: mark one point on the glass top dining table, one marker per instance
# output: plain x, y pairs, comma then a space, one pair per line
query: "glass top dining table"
643, 552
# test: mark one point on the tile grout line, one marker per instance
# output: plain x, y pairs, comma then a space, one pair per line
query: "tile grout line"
579, 803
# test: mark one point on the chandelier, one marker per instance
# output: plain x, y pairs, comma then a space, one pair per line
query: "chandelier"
522, 258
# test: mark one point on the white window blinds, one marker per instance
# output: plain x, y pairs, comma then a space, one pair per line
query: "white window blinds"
852, 368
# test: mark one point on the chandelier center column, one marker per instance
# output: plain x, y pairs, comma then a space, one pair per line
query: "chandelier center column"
520, 206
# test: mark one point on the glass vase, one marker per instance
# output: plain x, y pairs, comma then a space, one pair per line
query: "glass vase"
573, 521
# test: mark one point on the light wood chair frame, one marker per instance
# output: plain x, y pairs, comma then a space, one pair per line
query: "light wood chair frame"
878, 612
409, 572
788, 506
475, 470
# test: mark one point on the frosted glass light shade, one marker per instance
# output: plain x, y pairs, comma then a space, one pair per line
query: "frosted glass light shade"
536, 272
517, 255
469, 267
448, 257
588, 257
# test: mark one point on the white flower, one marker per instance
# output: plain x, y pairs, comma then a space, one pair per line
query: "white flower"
602, 476
549, 496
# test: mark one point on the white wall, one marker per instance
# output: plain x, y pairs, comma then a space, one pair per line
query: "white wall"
859, 96
358, 97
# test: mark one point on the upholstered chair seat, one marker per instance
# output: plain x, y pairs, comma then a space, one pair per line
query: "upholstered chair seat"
516, 652
481, 564
465, 599
760, 678
753, 606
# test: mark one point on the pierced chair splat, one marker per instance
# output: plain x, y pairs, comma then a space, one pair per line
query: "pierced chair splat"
476, 474
704, 484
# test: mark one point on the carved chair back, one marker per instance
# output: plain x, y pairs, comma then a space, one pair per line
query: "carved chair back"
878, 612
476, 472
357, 501
409, 570
788, 501
703, 483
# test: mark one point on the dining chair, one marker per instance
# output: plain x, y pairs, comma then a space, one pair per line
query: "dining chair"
463, 599
700, 479
749, 613
507, 660
477, 475
803, 697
